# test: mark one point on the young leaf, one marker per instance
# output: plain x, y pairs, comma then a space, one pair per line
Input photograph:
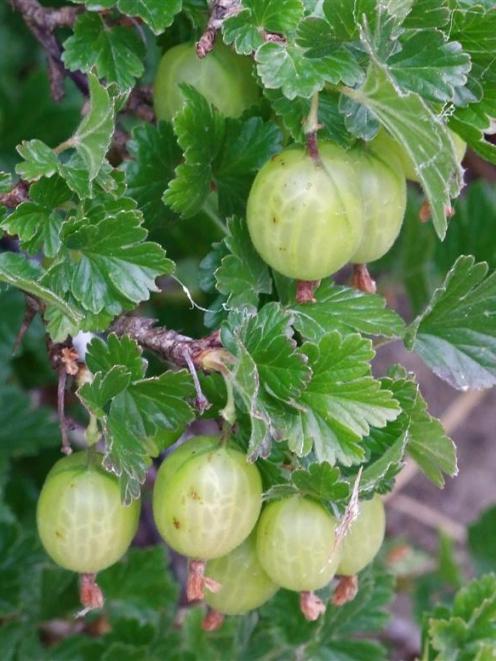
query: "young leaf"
103, 356
39, 160
410, 121
246, 29
242, 275
155, 155
116, 52
456, 333
346, 309
321, 481
341, 402
92, 138
37, 223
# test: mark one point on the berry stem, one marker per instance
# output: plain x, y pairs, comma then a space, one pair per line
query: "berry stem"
311, 127
305, 290
311, 606
197, 582
361, 279
90, 593
346, 590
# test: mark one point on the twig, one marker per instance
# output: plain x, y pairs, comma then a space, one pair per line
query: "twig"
33, 306
170, 345
140, 103
16, 195
220, 10
202, 403
42, 22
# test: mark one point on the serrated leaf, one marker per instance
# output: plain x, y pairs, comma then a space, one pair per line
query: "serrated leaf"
379, 473
93, 136
427, 444
430, 65
282, 368
247, 28
96, 395
103, 356
155, 155
157, 14
468, 628
5, 182
39, 160
287, 67
425, 139
341, 402
346, 309
456, 334
242, 275
107, 263
116, 52
15, 270
321, 481
425, 14
220, 154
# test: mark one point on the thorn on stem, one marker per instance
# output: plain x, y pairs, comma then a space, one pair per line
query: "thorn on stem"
305, 290
362, 280
346, 590
202, 403
311, 606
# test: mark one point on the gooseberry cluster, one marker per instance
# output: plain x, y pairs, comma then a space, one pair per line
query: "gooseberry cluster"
207, 505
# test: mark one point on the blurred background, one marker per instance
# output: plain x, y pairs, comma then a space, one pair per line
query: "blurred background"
431, 550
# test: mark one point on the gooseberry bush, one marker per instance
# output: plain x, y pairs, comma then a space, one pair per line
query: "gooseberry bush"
190, 196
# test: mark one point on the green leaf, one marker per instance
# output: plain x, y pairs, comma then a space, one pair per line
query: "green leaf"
287, 67
220, 154
427, 444
37, 223
116, 52
425, 139
430, 65
132, 409
345, 17
93, 136
5, 182
482, 542
155, 155
15, 270
346, 309
321, 481
103, 356
157, 14
293, 112
456, 333
468, 628
380, 472
242, 274
39, 160
107, 264
341, 402
246, 29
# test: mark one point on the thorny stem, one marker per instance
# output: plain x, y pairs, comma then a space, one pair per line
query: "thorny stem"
33, 306
202, 403
171, 345
220, 10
